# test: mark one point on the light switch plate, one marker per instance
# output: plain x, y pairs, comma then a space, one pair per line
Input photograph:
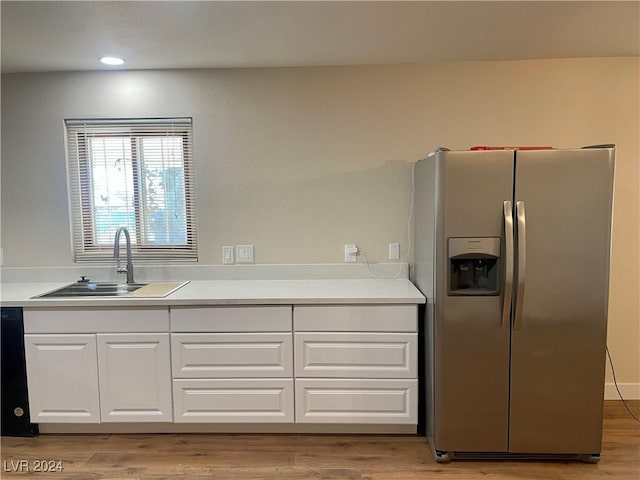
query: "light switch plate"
244, 253
394, 251
227, 255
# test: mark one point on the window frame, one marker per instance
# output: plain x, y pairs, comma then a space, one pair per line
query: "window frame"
78, 133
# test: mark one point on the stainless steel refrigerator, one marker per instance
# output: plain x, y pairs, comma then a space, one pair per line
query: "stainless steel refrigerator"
512, 252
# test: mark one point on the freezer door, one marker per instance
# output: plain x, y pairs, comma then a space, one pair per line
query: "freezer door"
471, 344
558, 341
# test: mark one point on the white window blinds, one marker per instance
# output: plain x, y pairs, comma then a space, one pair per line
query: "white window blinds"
136, 173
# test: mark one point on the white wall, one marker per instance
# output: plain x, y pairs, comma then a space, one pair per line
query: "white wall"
300, 161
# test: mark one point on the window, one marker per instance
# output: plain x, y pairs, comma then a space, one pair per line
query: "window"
136, 173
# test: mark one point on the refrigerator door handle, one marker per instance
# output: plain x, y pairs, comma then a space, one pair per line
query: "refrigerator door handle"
508, 277
522, 264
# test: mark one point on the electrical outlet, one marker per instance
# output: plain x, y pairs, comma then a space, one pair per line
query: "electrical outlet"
350, 253
227, 255
244, 253
394, 251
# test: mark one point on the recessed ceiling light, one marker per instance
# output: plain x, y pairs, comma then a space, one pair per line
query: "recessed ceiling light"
112, 60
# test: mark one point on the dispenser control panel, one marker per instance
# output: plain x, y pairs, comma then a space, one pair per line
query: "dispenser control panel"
473, 246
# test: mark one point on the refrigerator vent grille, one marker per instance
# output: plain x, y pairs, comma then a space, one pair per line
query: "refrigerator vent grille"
525, 456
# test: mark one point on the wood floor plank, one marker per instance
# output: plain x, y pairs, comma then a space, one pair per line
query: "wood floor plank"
292, 457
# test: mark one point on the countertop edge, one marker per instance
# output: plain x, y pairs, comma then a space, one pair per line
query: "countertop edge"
232, 292
165, 302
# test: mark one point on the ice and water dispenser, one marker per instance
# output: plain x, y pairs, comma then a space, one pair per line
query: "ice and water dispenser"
473, 266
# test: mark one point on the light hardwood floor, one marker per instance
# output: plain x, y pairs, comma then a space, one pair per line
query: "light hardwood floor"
286, 457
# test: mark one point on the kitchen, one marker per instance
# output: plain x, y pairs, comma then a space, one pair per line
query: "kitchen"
303, 159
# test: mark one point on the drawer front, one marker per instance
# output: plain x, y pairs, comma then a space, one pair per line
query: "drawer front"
96, 320
223, 355
233, 401
359, 355
355, 318
231, 319
356, 401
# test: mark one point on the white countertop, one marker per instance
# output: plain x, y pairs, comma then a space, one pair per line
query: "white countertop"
230, 292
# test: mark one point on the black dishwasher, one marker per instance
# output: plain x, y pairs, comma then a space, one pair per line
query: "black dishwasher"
15, 401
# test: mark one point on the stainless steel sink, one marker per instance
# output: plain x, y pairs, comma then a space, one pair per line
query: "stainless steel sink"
93, 289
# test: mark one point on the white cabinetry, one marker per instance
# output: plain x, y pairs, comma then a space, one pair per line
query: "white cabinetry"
273, 364
356, 364
80, 372
62, 375
135, 377
232, 364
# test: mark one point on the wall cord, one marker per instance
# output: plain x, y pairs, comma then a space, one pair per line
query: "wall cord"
615, 382
406, 256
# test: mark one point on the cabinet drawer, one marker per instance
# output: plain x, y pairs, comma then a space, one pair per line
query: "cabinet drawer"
96, 320
231, 319
355, 318
223, 355
361, 355
233, 401
356, 401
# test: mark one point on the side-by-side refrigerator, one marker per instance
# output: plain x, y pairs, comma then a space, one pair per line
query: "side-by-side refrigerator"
512, 252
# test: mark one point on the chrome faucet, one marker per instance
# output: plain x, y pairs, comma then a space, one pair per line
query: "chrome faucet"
116, 254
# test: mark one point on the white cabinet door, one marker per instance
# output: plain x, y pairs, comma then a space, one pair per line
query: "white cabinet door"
135, 377
257, 400
227, 355
62, 373
359, 355
344, 400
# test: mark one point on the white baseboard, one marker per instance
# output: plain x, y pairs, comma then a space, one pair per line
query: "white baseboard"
629, 391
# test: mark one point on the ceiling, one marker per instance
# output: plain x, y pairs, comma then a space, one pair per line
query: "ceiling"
64, 36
